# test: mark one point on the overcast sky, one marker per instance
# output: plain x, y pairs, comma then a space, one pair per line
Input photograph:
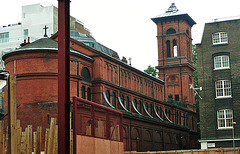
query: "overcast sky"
125, 26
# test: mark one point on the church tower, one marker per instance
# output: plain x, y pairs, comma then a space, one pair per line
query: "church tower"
175, 61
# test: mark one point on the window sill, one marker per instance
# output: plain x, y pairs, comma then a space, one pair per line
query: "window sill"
219, 44
225, 128
223, 97
224, 68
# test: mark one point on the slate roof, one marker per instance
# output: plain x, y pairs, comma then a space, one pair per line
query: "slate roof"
90, 41
41, 43
173, 12
46, 44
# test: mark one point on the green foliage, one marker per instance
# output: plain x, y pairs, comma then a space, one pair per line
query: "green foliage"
196, 83
151, 71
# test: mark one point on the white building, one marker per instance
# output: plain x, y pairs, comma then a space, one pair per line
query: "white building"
34, 19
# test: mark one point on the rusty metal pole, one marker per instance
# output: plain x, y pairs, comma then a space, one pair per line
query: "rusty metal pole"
63, 76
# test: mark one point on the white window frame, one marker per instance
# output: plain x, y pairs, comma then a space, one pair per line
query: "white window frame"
219, 38
223, 88
221, 62
226, 121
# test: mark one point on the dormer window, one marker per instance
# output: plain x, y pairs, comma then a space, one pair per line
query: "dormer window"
219, 38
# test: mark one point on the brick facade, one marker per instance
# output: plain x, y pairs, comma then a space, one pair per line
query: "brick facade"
208, 76
35, 66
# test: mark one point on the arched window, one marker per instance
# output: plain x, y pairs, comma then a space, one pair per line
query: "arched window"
184, 123
169, 114
83, 92
186, 120
146, 106
88, 94
180, 118
192, 123
127, 102
122, 99
168, 48
85, 75
108, 95
171, 31
176, 117
160, 112
151, 109
135, 103
175, 54
156, 109
114, 99
140, 106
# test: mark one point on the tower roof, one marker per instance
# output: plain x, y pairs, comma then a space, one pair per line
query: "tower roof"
173, 13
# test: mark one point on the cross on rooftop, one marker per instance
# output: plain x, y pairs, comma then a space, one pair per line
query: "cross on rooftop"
45, 28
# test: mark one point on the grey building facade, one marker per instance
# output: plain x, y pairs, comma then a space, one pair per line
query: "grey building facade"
218, 57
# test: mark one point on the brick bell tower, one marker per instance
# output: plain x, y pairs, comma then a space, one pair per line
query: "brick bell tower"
175, 61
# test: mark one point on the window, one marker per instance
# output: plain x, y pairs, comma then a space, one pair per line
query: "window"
83, 92
223, 88
122, 99
175, 48
4, 37
176, 117
85, 75
127, 102
88, 94
151, 109
221, 62
25, 31
146, 106
171, 31
160, 111
108, 95
177, 97
220, 38
225, 118
168, 49
140, 106
114, 99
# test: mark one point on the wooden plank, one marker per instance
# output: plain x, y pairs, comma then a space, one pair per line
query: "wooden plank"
56, 140
23, 144
29, 139
38, 140
6, 142
71, 141
19, 132
51, 136
117, 133
12, 115
46, 140
1, 137
85, 144
34, 142
100, 129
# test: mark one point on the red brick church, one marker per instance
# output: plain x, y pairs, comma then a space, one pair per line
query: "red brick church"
158, 113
